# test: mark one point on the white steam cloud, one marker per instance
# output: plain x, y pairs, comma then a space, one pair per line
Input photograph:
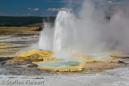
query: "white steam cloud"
88, 32
59, 9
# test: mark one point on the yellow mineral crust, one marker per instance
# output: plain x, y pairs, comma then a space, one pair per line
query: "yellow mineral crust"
38, 55
63, 69
2, 43
5, 44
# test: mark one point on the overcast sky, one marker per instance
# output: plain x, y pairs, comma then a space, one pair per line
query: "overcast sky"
40, 7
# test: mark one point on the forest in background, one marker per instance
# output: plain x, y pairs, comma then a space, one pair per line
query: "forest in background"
6, 21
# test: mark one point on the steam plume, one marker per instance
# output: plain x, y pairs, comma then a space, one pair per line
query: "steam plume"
88, 32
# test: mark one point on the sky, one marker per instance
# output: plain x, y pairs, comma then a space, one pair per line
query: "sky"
40, 7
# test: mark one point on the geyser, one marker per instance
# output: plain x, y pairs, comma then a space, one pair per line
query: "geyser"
87, 32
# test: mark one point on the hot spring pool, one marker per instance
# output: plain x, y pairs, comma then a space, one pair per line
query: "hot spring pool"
59, 65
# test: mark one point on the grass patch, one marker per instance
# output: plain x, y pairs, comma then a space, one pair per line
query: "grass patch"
11, 30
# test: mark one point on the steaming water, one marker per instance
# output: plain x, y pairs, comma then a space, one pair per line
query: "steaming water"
59, 64
87, 33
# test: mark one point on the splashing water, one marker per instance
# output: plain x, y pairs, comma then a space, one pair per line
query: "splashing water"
86, 33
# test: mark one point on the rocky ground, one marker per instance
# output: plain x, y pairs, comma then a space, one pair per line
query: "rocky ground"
19, 66
10, 64
113, 77
9, 46
114, 72
23, 66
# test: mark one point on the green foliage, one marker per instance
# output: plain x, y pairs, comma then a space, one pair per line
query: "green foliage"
21, 21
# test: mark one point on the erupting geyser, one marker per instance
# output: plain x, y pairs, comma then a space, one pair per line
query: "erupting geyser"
87, 32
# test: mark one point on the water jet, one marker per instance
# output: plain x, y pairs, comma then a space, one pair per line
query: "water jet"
85, 34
